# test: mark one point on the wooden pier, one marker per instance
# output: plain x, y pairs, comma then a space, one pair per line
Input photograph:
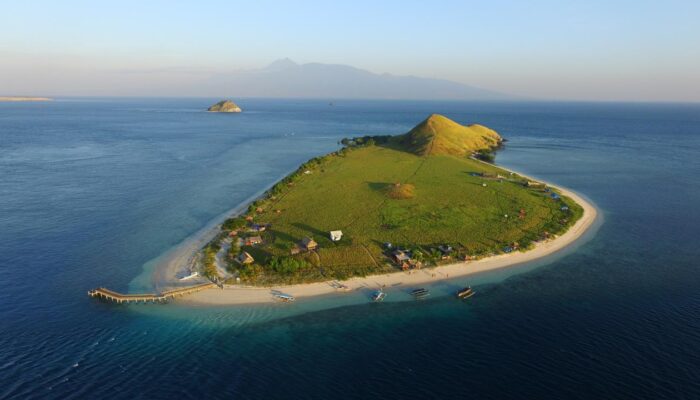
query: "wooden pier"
106, 294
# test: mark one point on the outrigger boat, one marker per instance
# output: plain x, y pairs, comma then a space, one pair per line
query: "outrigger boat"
378, 296
420, 293
190, 276
339, 286
287, 298
465, 293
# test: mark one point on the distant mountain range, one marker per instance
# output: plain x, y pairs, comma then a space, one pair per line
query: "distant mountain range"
285, 78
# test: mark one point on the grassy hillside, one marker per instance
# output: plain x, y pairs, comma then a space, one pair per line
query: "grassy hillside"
378, 194
440, 135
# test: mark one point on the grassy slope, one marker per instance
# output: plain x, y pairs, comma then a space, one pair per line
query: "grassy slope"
450, 206
440, 135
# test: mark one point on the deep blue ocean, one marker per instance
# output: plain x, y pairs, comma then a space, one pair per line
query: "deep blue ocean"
93, 191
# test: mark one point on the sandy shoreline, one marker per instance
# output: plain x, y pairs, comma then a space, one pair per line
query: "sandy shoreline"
11, 99
165, 273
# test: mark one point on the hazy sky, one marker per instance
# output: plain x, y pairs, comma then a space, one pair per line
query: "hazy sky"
600, 50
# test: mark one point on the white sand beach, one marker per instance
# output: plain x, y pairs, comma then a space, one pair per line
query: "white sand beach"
165, 273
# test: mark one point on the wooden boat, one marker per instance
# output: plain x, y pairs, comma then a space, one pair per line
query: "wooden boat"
465, 293
420, 293
378, 296
339, 286
190, 276
287, 298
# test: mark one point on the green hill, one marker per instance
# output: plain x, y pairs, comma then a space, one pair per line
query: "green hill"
440, 135
377, 192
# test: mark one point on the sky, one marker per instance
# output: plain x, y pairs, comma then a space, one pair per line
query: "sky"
570, 50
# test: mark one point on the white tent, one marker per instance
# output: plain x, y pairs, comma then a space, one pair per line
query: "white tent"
336, 235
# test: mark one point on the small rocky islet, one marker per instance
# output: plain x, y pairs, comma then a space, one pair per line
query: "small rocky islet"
225, 106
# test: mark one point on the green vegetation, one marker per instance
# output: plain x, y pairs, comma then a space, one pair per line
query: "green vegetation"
224, 106
441, 135
208, 259
417, 191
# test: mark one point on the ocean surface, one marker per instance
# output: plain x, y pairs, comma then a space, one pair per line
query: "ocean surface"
94, 191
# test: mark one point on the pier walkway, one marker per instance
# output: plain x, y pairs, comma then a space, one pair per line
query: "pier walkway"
104, 293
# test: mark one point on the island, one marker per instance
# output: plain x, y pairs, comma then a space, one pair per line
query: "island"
225, 106
391, 210
23, 98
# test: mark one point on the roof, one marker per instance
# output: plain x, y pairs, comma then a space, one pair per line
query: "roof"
307, 241
255, 239
245, 258
334, 233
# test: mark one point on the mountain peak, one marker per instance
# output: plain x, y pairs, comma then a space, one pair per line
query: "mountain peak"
281, 64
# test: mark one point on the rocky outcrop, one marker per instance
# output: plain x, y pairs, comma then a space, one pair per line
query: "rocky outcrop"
225, 106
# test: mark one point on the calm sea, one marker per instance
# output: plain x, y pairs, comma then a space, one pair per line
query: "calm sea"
93, 191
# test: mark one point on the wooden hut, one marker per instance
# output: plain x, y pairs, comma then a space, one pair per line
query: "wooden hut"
245, 258
308, 244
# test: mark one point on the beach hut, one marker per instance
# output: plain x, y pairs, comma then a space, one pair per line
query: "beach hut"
308, 244
399, 256
245, 258
445, 249
253, 240
535, 184
336, 235
258, 227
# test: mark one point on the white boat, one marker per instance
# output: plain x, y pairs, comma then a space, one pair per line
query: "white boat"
378, 296
287, 298
190, 276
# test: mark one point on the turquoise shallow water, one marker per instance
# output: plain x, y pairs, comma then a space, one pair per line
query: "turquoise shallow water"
91, 190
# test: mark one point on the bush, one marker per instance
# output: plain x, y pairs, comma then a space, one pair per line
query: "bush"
234, 223
286, 265
486, 155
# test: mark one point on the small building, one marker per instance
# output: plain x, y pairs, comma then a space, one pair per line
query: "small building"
445, 249
336, 235
399, 256
258, 227
535, 184
308, 244
245, 258
564, 208
253, 240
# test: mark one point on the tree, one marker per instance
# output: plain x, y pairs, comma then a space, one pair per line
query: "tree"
234, 223
418, 255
